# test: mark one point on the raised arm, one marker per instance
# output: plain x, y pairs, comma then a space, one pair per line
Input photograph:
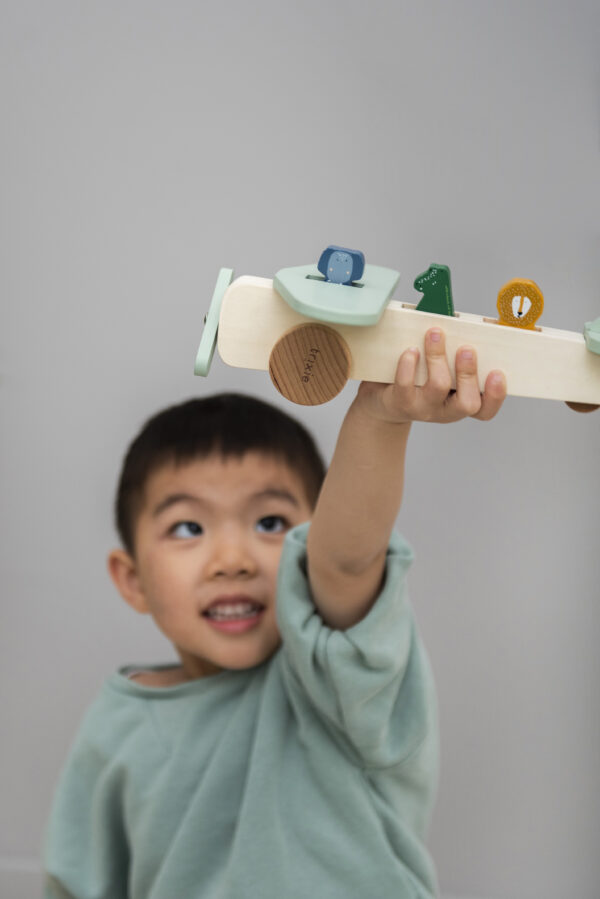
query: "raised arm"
361, 495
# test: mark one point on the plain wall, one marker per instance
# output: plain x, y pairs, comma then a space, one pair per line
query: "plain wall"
145, 145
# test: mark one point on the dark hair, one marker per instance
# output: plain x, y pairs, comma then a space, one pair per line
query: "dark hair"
229, 424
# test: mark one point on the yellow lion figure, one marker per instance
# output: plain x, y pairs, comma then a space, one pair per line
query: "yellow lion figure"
512, 306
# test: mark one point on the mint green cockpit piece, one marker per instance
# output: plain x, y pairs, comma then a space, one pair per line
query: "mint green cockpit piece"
361, 303
208, 341
591, 332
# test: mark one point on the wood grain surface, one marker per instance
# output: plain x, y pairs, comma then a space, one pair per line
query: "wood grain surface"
310, 364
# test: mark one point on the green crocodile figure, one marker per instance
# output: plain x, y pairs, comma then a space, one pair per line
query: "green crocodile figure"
436, 288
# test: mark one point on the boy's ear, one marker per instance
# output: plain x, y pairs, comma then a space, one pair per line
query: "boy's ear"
123, 571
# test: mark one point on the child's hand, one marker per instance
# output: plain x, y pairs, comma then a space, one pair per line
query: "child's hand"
435, 401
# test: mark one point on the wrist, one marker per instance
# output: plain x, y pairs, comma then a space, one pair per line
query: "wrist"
369, 408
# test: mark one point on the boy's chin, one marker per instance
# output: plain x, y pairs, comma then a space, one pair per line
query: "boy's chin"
243, 660
234, 659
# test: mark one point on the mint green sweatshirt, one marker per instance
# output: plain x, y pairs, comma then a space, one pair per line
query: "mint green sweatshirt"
310, 776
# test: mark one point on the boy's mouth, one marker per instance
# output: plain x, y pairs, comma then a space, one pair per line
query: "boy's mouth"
235, 614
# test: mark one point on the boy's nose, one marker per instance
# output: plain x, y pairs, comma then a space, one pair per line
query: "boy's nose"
230, 558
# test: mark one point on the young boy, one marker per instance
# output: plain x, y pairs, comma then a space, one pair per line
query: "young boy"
293, 751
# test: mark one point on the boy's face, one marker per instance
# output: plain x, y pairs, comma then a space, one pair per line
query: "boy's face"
207, 547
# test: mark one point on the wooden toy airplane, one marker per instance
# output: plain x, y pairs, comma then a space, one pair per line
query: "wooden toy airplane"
314, 327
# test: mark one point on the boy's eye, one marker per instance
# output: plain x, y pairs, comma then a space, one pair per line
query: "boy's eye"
272, 524
184, 530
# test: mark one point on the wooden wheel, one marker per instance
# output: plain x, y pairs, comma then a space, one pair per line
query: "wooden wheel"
310, 364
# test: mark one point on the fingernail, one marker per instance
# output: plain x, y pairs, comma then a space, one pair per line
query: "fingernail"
435, 336
467, 355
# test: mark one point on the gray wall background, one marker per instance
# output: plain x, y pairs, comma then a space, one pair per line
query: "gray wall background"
146, 144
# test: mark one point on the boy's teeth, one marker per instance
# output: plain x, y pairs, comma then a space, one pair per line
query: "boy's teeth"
232, 610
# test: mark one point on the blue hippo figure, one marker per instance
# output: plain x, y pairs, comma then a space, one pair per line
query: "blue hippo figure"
340, 265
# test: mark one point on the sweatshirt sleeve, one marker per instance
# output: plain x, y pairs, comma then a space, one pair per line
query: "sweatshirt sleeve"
86, 852
372, 682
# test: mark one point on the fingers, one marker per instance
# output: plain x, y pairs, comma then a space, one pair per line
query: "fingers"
406, 375
426, 403
435, 400
401, 398
439, 379
494, 395
467, 401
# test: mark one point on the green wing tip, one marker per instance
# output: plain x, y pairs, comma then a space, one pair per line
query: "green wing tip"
591, 332
208, 341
